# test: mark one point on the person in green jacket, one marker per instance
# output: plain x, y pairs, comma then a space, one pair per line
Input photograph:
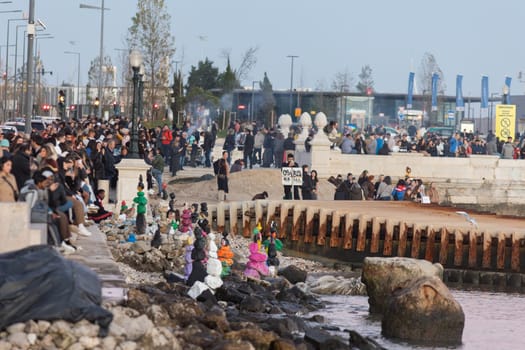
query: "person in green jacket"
157, 168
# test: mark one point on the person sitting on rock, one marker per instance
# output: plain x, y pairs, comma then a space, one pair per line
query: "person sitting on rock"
101, 213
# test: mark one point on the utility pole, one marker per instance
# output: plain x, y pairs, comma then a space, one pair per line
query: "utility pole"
28, 106
291, 82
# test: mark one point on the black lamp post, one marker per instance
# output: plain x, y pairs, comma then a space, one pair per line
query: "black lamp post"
135, 60
140, 106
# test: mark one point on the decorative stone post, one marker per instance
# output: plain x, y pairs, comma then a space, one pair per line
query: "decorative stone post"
285, 121
128, 173
301, 156
320, 152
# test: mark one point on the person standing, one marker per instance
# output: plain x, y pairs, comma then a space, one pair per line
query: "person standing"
257, 147
157, 168
290, 163
8, 187
249, 142
207, 147
222, 176
307, 186
165, 139
315, 184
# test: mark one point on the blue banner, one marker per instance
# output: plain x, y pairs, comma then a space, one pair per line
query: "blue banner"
410, 89
506, 90
435, 78
484, 92
460, 103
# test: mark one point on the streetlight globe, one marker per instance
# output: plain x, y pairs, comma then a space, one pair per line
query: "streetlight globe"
142, 69
135, 58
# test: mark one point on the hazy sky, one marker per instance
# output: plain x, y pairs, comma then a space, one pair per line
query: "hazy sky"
468, 37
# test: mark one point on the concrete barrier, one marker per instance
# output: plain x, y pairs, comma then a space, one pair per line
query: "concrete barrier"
16, 231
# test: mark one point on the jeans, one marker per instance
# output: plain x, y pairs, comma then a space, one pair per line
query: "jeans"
257, 155
157, 174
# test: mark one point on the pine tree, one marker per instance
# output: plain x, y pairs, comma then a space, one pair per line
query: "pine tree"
228, 80
268, 100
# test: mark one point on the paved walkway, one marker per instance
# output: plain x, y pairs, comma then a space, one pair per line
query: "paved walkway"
96, 255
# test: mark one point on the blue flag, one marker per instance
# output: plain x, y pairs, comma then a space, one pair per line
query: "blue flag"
460, 103
506, 89
410, 89
435, 78
484, 92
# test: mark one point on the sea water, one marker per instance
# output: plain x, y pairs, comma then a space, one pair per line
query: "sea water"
492, 320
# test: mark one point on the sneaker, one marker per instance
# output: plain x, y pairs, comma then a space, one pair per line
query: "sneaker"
67, 249
83, 231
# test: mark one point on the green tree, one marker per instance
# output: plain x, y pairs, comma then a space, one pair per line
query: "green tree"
365, 79
150, 33
227, 80
268, 100
177, 103
204, 76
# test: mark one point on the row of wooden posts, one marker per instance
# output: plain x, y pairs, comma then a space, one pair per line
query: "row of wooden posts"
453, 247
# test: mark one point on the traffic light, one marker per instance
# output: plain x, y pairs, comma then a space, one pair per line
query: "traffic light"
155, 106
62, 104
97, 102
369, 91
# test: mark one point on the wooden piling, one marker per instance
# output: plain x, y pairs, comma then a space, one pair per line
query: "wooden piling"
416, 241
259, 212
458, 247
487, 242
472, 248
323, 221
270, 214
246, 218
389, 237
500, 258
376, 232
234, 227
515, 253
221, 217
296, 222
309, 224
431, 240
283, 222
336, 227
402, 244
443, 249
349, 228
361, 234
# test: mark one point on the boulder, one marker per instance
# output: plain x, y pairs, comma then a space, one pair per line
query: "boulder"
424, 311
382, 276
293, 274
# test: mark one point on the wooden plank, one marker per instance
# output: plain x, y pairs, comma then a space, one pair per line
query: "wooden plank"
443, 250
361, 234
472, 248
309, 224
389, 238
376, 232
270, 215
234, 227
515, 253
336, 227
416, 242
431, 241
487, 243
500, 258
349, 229
402, 244
323, 220
458, 247
259, 212
246, 219
296, 222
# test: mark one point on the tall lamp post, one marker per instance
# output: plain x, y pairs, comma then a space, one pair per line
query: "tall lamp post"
101, 50
135, 61
492, 95
7, 58
78, 76
292, 57
252, 109
140, 106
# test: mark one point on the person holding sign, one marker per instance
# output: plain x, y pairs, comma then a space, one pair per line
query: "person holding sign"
307, 187
290, 163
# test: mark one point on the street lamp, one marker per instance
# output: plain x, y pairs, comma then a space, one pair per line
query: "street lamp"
291, 80
101, 53
78, 76
140, 106
7, 59
492, 95
135, 61
252, 110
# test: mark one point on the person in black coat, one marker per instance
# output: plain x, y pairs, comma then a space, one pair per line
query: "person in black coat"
21, 169
307, 187
249, 141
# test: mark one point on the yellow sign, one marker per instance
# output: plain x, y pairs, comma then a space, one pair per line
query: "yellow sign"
298, 111
505, 121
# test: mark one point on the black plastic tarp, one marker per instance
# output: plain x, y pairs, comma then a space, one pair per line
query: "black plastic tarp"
37, 283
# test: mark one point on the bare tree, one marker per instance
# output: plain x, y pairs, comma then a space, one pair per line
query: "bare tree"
428, 67
343, 81
248, 61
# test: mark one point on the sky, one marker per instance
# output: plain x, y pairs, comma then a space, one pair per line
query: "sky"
468, 37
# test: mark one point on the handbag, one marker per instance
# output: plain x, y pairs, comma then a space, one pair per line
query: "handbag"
39, 212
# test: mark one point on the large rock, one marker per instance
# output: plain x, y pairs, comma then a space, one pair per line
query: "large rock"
382, 276
424, 311
293, 274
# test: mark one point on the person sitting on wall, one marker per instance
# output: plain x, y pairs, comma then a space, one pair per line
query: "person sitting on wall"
101, 213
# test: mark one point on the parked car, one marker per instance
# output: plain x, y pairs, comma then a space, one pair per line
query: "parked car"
443, 131
20, 126
8, 130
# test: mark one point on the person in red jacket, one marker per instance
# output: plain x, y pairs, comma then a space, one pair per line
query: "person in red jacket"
165, 138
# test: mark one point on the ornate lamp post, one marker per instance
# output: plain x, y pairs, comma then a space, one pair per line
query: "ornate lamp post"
140, 106
135, 60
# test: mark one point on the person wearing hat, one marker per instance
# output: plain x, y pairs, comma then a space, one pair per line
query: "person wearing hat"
4, 147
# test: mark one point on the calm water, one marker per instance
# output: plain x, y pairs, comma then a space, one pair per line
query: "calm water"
492, 320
